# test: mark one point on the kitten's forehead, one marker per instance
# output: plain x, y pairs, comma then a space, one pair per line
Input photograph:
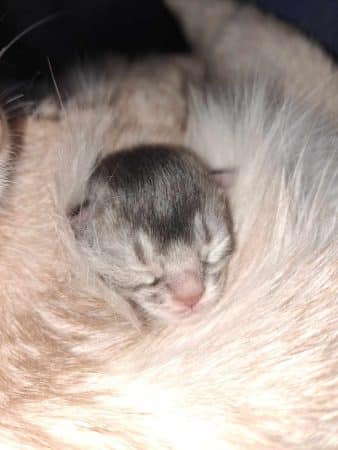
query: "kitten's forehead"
180, 254
157, 189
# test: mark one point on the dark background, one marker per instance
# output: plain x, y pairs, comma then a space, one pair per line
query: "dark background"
88, 28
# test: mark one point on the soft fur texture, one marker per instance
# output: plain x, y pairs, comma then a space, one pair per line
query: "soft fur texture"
5, 148
155, 226
257, 372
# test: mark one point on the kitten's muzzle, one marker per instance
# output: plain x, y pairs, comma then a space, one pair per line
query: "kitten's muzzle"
187, 288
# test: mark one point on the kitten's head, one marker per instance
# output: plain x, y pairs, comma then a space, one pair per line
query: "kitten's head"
157, 223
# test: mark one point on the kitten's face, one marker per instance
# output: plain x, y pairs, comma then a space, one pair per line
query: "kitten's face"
168, 272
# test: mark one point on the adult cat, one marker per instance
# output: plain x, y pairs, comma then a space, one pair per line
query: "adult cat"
257, 372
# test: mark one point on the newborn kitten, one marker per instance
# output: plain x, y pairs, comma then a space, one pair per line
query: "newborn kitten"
157, 223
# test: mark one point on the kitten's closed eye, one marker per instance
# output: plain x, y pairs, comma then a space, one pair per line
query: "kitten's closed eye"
138, 250
156, 281
148, 283
218, 252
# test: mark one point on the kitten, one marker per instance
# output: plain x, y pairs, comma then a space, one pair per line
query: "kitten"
159, 223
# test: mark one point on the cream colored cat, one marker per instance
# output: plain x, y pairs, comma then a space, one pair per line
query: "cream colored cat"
259, 371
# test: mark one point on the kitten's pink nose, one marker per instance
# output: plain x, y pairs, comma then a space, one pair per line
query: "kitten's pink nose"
187, 288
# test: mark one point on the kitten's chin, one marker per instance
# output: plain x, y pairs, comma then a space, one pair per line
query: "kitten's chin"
191, 313
175, 314
170, 315
172, 311
201, 308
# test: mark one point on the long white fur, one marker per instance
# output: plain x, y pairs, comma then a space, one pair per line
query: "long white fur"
5, 149
259, 372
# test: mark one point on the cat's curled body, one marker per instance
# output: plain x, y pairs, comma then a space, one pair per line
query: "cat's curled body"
156, 225
260, 371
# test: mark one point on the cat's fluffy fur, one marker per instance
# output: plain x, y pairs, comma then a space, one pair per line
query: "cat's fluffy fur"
5, 149
258, 372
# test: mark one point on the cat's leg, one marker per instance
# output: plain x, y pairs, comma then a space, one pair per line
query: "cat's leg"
203, 20
236, 39
241, 42
151, 102
231, 35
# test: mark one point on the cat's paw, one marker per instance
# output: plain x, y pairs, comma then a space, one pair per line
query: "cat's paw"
47, 109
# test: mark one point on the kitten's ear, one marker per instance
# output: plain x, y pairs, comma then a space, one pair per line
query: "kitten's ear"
79, 217
224, 177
